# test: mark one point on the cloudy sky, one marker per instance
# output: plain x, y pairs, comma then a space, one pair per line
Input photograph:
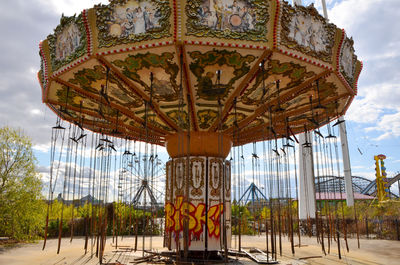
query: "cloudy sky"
373, 120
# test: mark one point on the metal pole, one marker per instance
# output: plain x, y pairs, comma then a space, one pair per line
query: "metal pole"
297, 2
307, 204
324, 9
398, 186
346, 163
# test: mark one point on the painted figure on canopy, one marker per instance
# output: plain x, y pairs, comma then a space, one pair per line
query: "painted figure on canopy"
234, 15
133, 18
139, 21
308, 32
67, 41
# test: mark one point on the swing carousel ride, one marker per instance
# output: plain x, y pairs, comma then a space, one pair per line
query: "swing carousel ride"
202, 78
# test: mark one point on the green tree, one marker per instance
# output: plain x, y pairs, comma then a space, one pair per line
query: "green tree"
246, 220
21, 202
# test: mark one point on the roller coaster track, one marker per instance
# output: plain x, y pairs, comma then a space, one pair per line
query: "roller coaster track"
360, 184
371, 188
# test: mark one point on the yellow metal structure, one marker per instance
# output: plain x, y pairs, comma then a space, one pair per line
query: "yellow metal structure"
381, 180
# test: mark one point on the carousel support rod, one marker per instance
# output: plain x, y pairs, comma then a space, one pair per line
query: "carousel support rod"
307, 204
346, 163
185, 82
231, 101
117, 73
88, 125
259, 128
97, 99
283, 99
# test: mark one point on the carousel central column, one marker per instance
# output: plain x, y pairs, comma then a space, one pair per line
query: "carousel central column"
198, 189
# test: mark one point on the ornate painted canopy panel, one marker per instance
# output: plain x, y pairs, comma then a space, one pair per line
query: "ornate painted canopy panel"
147, 69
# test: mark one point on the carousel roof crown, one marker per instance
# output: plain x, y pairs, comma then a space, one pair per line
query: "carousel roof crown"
253, 70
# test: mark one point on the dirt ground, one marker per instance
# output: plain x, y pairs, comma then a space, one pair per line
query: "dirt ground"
371, 252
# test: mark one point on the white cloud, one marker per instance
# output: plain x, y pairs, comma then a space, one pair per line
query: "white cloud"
389, 124
36, 112
44, 148
378, 106
358, 167
370, 174
373, 25
382, 96
363, 111
70, 7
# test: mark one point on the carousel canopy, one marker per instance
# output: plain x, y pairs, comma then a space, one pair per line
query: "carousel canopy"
251, 69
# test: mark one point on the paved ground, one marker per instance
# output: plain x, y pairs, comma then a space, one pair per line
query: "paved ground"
372, 252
